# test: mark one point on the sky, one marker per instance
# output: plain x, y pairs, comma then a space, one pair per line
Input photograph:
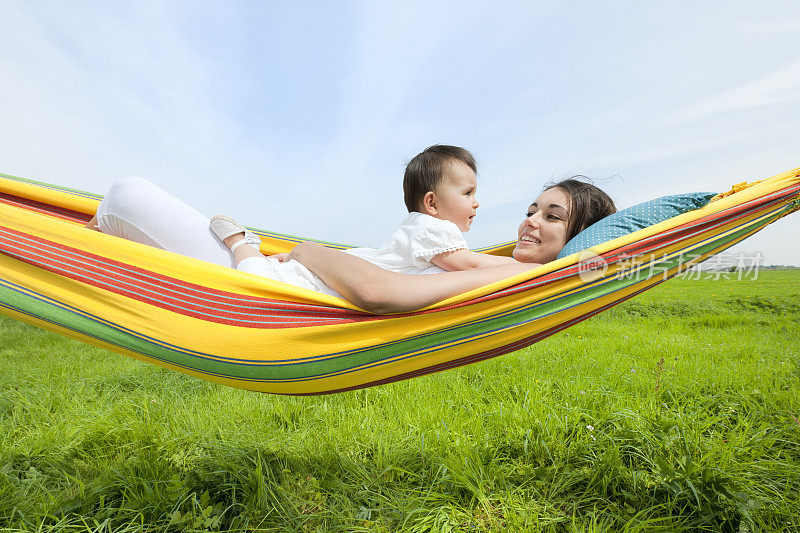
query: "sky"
300, 118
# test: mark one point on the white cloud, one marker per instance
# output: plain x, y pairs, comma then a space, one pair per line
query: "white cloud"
781, 86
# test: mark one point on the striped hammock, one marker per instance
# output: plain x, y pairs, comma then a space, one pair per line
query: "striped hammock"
254, 333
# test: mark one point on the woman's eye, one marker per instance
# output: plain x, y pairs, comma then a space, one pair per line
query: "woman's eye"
554, 217
528, 214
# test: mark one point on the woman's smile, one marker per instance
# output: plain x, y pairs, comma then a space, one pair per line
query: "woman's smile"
528, 239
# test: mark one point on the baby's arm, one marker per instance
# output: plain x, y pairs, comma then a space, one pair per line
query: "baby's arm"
466, 260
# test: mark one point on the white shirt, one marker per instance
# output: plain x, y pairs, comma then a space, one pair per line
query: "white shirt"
411, 247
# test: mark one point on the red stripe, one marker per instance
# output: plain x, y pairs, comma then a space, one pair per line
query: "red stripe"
170, 293
44, 209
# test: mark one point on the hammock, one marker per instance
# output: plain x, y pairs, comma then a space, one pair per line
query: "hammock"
241, 330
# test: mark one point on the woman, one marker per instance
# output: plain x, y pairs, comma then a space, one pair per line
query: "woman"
138, 210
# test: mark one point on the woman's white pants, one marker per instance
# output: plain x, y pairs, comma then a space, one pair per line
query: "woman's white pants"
138, 210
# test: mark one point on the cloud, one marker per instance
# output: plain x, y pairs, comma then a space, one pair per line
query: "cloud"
779, 87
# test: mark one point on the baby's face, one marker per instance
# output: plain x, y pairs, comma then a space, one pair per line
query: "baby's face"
455, 196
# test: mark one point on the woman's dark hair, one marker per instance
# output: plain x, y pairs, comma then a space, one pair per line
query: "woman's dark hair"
426, 170
588, 204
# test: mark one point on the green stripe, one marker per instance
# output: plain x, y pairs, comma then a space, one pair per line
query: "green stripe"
51, 186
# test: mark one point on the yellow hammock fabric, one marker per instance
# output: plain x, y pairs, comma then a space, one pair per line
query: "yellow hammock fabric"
254, 333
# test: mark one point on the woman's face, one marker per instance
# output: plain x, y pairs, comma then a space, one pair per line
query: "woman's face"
543, 233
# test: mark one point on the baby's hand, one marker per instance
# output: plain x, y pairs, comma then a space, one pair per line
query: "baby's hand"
282, 257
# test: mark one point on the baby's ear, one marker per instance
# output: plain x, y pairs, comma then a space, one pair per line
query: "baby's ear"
429, 204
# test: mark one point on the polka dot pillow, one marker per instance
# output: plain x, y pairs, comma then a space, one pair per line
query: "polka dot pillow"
635, 218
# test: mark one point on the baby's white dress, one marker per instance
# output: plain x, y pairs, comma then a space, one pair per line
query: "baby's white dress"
419, 238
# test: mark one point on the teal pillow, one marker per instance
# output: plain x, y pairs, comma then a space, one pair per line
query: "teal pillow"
635, 218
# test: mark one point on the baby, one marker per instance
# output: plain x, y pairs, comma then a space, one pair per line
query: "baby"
439, 189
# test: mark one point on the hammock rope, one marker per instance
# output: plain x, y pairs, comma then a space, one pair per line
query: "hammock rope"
254, 333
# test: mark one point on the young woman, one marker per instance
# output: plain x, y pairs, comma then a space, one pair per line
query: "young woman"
138, 210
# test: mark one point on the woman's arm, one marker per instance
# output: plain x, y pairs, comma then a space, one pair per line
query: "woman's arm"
381, 291
466, 260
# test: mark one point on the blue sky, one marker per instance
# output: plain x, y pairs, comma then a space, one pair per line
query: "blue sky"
299, 119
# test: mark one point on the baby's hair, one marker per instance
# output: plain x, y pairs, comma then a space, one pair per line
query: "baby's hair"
588, 204
426, 170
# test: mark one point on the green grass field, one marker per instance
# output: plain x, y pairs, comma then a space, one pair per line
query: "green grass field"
678, 410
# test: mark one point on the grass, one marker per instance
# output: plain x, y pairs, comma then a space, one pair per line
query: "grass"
676, 411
